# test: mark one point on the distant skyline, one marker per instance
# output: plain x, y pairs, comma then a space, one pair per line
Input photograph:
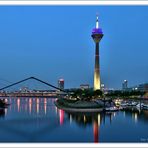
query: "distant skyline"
52, 42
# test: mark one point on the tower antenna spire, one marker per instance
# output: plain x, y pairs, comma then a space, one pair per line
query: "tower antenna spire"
97, 21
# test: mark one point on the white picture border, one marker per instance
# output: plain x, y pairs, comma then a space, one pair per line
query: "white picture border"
73, 145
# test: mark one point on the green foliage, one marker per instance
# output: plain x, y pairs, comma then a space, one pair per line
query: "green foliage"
119, 93
87, 94
98, 93
77, 104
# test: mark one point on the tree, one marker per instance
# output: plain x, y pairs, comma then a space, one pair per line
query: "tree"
97, 93
87, 94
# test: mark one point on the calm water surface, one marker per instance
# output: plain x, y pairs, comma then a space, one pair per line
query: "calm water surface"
38, 120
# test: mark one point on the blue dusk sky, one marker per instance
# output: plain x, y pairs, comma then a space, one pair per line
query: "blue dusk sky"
52, 42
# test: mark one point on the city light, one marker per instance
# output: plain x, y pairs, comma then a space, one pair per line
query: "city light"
18, 104
61, 116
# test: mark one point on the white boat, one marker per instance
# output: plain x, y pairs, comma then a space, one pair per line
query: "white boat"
145, 106
121, 107
123, 104
139, 106
132, 103
111, 108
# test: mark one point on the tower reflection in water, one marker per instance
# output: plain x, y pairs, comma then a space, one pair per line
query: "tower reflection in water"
86, 120
96, 132
83, 120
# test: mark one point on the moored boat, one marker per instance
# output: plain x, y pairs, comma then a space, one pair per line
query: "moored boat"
123, 104
145, 106
112, 109
132, 103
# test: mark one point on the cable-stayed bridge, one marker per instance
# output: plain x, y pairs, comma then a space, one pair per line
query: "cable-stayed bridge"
32, 93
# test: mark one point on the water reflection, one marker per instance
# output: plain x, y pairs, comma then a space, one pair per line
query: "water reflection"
41, 105
56, 110
99, 120
30, 106
95, 131
37, 105
135, 117
61, 116
41, 119
5, 111
95, 120
2, 113
84, 120
70, 119
18, 105
45, 105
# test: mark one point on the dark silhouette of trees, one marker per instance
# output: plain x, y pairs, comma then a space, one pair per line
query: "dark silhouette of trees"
87, 94
119, 93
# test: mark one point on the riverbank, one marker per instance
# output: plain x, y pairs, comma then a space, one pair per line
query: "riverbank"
78, 106
3, 104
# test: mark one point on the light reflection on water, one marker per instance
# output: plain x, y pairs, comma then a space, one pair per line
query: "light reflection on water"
39, 120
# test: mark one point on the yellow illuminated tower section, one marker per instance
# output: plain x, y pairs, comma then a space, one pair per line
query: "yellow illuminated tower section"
97, 35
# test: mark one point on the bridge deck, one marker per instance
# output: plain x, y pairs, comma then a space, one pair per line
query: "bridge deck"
30, 94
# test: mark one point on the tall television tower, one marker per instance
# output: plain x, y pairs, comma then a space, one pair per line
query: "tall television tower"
97, 35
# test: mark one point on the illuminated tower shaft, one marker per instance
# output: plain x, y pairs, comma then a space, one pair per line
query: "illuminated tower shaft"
97, 69
97, 35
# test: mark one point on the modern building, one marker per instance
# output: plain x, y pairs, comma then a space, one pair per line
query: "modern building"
97, 35
61, 84
102, 87
141, 87
24, 89
84, 86
125, 85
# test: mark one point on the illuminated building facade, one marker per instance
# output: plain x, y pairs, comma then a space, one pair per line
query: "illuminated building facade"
61, 84
97, 35
141, 87
124, 85
84, 86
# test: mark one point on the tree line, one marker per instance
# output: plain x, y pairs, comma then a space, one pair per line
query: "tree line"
89, 94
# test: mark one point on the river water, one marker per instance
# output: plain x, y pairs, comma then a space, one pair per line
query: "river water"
39, 120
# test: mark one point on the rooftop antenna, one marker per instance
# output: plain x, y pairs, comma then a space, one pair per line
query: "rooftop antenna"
97, 21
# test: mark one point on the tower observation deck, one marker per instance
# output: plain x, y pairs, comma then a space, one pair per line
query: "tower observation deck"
97, 35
